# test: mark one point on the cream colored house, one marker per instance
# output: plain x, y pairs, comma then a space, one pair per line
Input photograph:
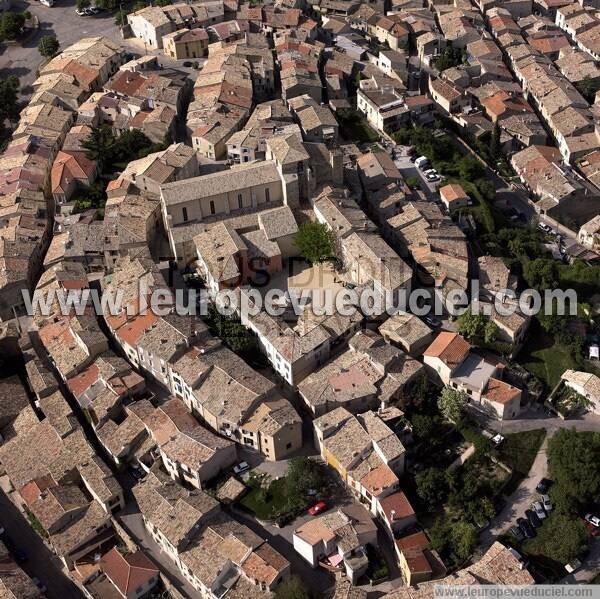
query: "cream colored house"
589, 234
186, 43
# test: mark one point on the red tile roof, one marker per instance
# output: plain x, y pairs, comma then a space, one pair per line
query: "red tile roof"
128, 572
450, 348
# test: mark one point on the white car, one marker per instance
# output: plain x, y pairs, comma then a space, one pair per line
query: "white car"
573, 566
81, 12
544, 228
545, 499
432, 177
536, 506
241, 467
593, 519
497, 439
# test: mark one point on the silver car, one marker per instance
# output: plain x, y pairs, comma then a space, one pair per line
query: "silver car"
536, 506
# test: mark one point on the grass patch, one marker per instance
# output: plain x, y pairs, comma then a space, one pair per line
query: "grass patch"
271, 502
545, 357
519, 449
36, 524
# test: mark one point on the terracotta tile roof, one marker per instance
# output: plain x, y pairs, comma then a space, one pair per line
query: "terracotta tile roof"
128, 572
413, 548
500, 392
452, 192
398, 504
450, 348
379, 479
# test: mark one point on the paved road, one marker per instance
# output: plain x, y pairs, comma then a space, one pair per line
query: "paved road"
42, 563
520, 500
534, 419
131, 519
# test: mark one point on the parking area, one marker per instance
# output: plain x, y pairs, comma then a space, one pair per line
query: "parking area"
408, 169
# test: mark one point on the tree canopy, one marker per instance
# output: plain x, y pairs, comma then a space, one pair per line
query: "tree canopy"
432, 486
477, 326
574, 459
303, 475
292, 588
48, 46
562, 538
451, 404
315, 242
11, 25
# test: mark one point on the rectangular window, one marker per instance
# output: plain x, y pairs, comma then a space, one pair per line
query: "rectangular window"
212, 207
185, 214
240, 201
267, 195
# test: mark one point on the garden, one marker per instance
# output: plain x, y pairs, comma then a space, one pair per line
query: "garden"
285, 498
354, 127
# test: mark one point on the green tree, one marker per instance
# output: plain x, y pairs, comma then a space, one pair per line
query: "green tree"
495, 141
471, 325
315, 242
541, 274
432, 486
292, 588
81, 4
456, 539
562, 538
100, 144
48, 46
9, 94
423, 426
11, 25
575, 463
470, 168
303, 475
451, 404
462, 539
121, 18
163, 2
490, 331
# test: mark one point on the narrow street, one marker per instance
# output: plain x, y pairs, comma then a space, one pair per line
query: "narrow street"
41, 562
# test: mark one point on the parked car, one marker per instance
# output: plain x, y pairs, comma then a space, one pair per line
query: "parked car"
533, 519
545, 500
517, 533
497, 440
318, 508
573, 566
422, 162
81, 12
593, 519
432, 321
241, 467
526, 528
536, 506
544, 228
187, 63
95, 10
543, 485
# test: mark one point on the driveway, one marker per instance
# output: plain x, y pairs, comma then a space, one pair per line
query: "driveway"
41, 563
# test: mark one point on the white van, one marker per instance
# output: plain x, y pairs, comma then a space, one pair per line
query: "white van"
421, 161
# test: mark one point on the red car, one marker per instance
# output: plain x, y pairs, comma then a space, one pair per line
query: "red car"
316, 509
